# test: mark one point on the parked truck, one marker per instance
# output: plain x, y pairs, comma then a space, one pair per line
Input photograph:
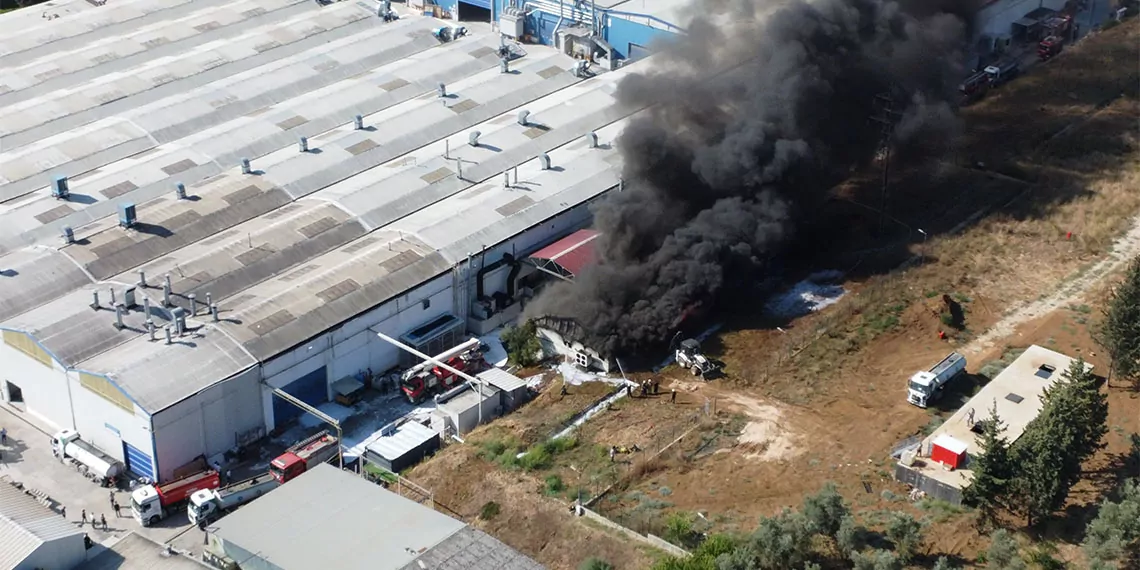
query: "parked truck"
65, 444
207, 504
152, 503
928, 385
307, 453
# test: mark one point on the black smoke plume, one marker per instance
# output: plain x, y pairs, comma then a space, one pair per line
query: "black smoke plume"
753, 116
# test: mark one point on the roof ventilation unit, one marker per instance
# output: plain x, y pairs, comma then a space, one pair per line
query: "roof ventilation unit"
167, 329
166, 291
358, 122
442, 90
523, 116
544, 160
214, 312
68, 235
150, 328
59, 188
119, 317
113, 300
473, 138
504, 66
303, 144
179, 315
129, 298
142, 279
180, 191
593, 138
245, 167
95, 300
127, 216
193, 304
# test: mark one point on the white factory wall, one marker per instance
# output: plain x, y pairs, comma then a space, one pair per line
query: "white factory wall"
995, 19
207, 423
353, 346
64, 552
44, 387
106, 425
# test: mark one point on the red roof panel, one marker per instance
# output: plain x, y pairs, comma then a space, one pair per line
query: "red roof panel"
573, 252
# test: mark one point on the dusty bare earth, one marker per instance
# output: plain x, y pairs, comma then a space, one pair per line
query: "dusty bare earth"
1025, 243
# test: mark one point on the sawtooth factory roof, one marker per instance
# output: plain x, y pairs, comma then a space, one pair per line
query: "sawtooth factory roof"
130, 102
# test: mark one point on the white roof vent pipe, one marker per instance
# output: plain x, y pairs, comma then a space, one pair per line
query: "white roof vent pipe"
113, 303
142, 279
214, 312
146, 307
303, 144
68, 235
166, 291
523, 116
358, 122
179, 315
504, 66
245, 166
593, 138
150, 329
167, 329
442, 89
544, 160
95, 300
209, 299
473, 138
118, 317
180, 191
193, 304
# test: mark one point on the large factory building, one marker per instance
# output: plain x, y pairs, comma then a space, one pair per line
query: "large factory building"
202, 201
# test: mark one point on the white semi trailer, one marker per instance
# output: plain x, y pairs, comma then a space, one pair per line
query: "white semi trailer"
99, 466
928, 385
207, 504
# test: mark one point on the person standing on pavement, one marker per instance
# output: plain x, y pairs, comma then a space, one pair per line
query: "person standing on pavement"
103, 521
83, 517
4, 435
115, 508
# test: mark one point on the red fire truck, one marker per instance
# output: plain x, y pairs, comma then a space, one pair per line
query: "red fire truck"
423, 380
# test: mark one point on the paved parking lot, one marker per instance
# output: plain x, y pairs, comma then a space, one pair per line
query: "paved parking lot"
27, 458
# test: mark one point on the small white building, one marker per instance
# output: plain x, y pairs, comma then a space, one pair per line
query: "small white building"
33, 536
460, 410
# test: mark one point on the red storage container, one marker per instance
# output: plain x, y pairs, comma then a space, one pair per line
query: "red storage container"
948, 451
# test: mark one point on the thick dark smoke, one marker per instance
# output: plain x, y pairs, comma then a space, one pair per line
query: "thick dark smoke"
753, 116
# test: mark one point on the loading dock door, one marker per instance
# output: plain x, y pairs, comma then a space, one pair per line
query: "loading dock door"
138, 462
485, 4
311, 389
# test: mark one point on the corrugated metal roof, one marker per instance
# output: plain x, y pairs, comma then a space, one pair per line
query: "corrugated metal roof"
25, 524
401, 440
30, 278
136, 552
358, 525
502, 379
573, 252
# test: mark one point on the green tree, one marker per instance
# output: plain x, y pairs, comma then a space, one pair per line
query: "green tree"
1112, 539
825, 510
679, 528
876, 560
906, 534
851, 537
1067, 432
1003, 552
521, 342
595, 563
781, 542
944, 563
1119, 331
993, 469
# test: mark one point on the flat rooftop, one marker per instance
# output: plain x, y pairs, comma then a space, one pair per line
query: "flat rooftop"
130, 102
358, 525
135, 552
1016, 392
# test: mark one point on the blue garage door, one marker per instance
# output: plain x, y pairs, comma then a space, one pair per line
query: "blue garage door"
480, 3
310, 389
138, 462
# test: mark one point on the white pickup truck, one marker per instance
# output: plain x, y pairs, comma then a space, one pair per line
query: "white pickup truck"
926, 386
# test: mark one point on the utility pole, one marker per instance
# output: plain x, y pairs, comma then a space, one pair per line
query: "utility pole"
886, 116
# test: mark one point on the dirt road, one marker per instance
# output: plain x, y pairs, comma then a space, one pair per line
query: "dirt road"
1124, 249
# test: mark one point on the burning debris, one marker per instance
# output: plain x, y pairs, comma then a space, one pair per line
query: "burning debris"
722, 166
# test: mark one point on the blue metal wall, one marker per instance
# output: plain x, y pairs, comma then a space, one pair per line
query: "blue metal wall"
621, 33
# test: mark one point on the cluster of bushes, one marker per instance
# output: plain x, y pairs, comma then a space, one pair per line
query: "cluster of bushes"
508, 454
